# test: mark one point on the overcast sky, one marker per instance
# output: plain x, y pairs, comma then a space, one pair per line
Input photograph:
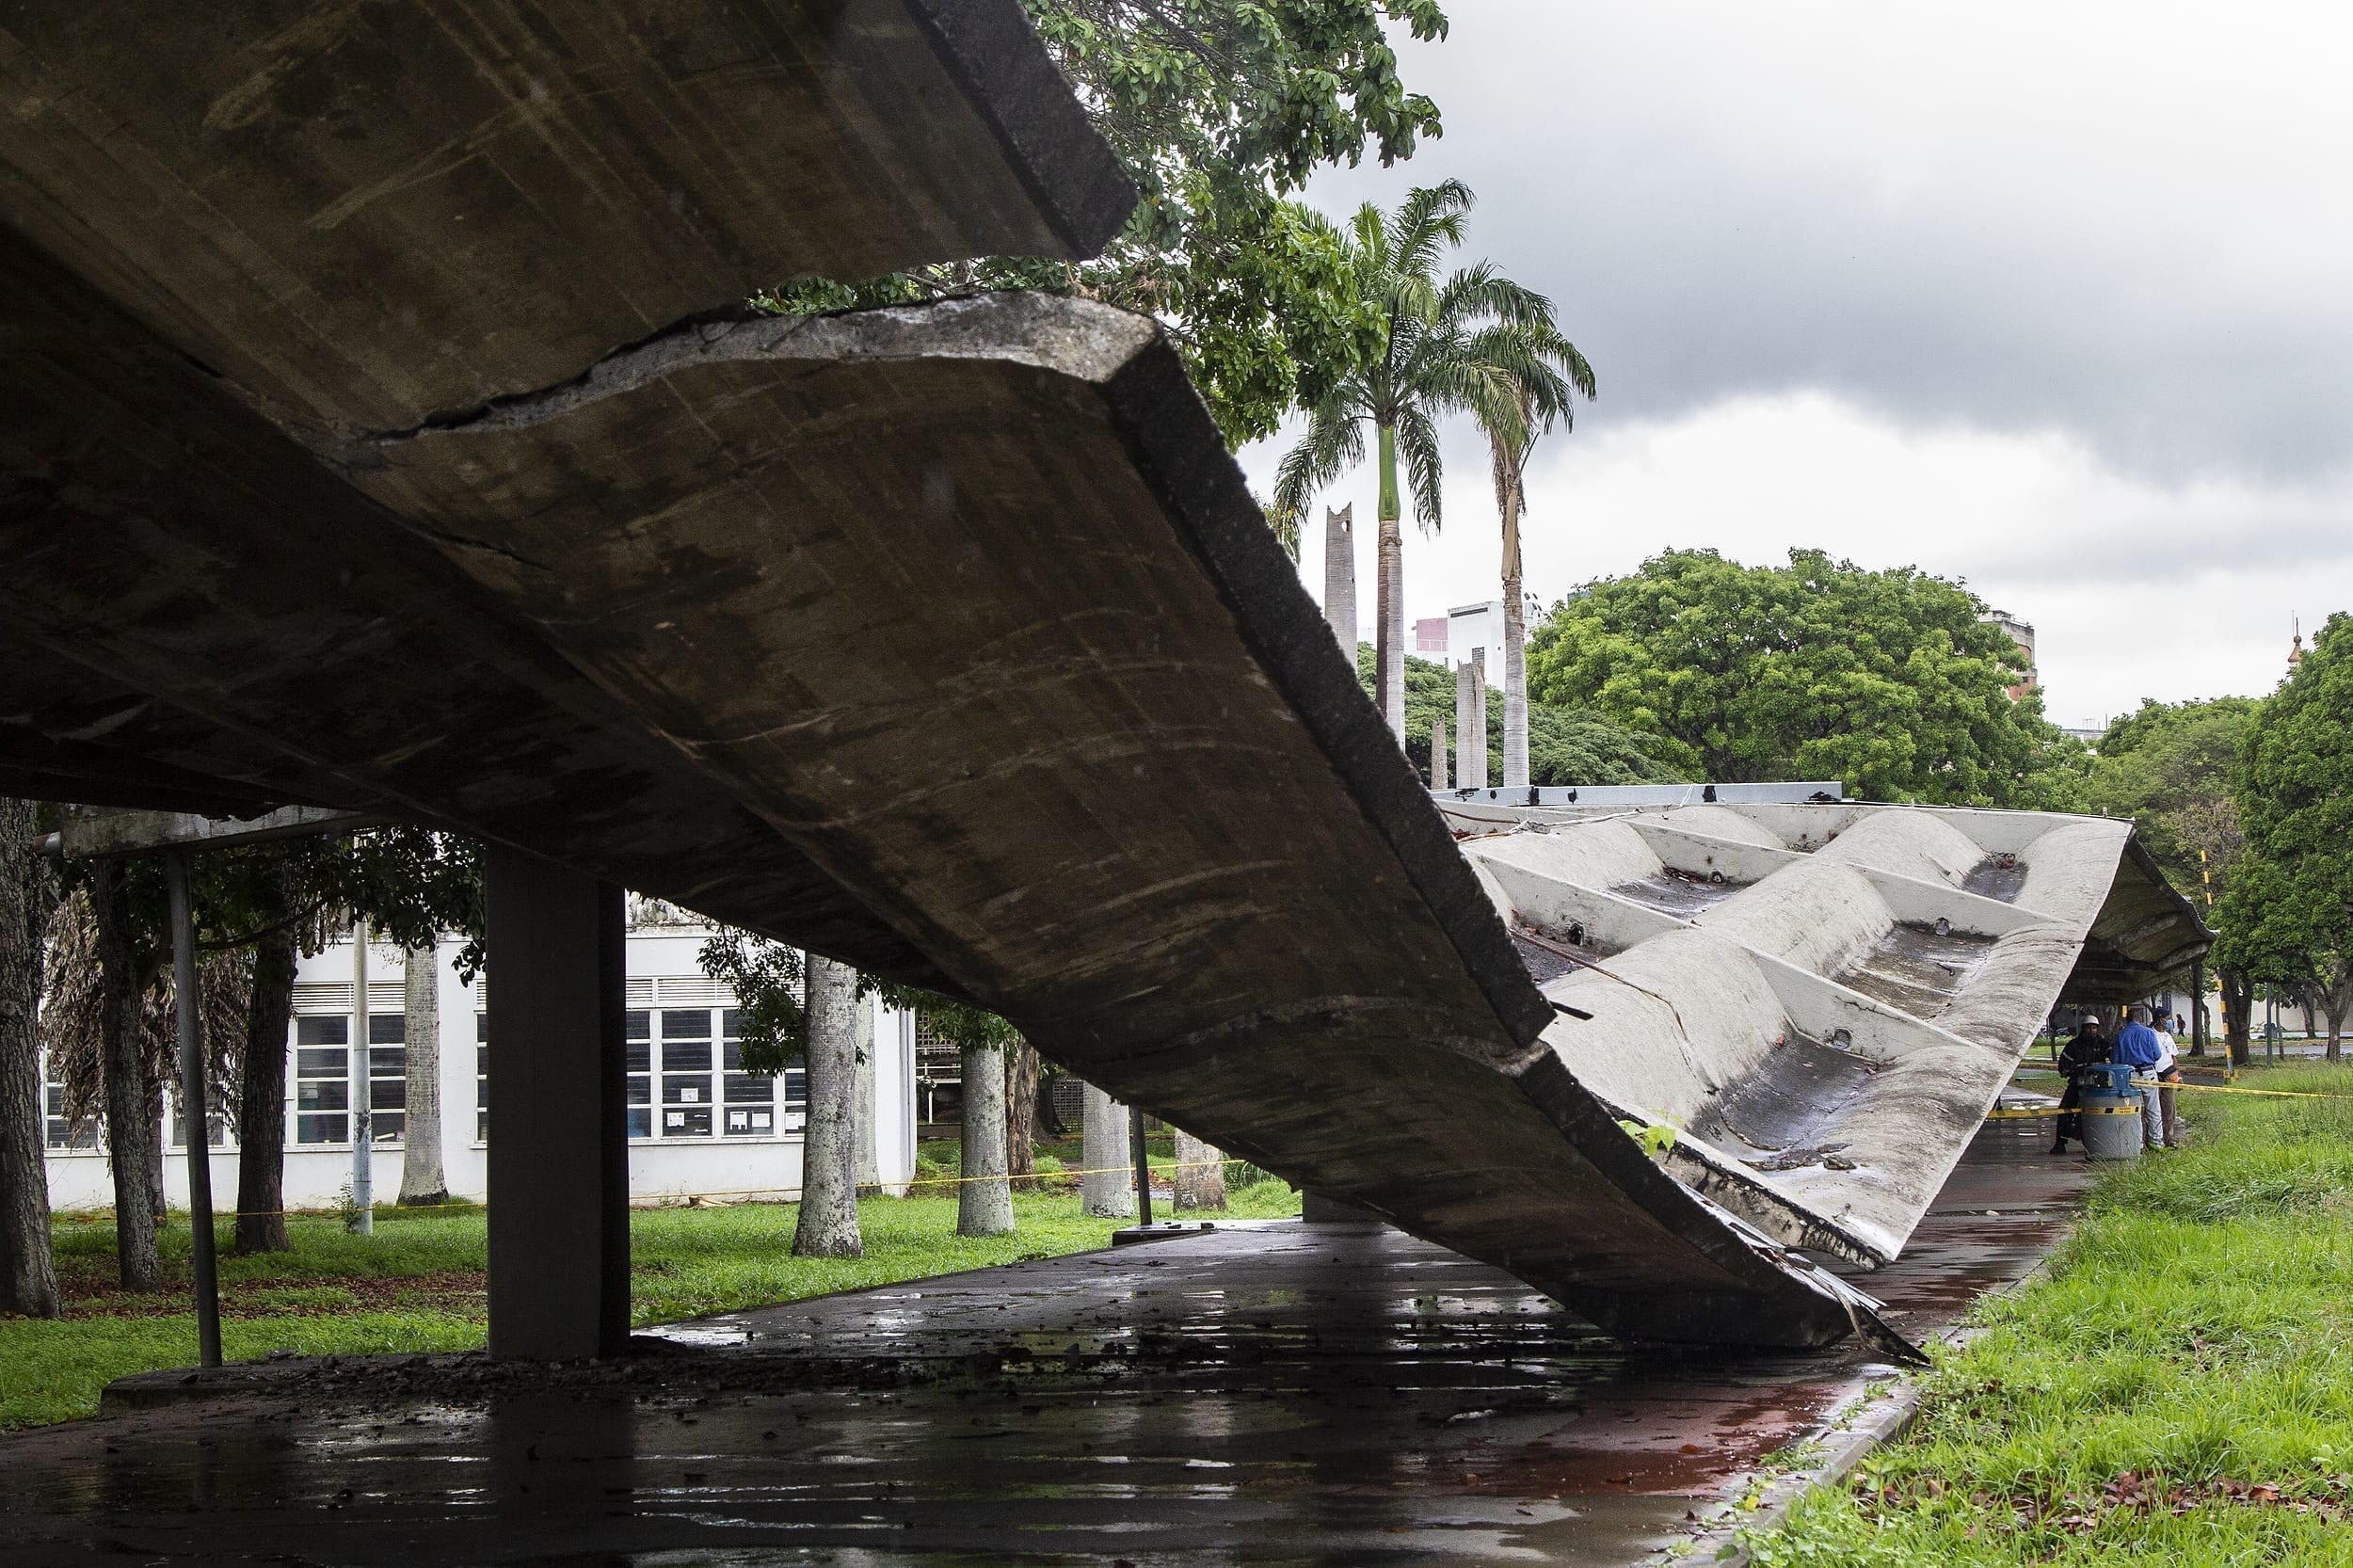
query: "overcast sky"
2057, 299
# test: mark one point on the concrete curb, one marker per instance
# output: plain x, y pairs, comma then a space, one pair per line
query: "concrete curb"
1874, 1412
1862, 1421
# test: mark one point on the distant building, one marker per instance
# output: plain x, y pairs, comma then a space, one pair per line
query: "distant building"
2021, 633
1471, 625
2296, 651
698, 1124
1429, 638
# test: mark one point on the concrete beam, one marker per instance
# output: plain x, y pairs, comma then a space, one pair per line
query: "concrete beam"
90, 832
559, 1132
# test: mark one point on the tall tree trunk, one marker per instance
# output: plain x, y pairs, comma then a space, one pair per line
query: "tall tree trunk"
1339, 578
983, 1197
2312, 1025
422, 1182
131, 1101
1390, 640
2238, 994
1437, 752
828, 1221
1515, 645
28, 1267
262, 1091
1107, 1191
1022, 1069
1200, 1176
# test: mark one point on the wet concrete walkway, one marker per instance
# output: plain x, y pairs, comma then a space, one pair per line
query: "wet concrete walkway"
1271, 1395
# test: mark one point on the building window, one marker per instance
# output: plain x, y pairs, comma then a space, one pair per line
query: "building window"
694, 1055
638, 1051
481, 1078
64, 1134
751, 1098
687, 1072
388, 1076
323, 1079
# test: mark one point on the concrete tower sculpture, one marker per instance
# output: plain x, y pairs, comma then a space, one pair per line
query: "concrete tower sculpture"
1339, 576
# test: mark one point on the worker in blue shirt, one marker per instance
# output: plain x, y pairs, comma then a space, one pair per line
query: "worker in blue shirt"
2139, 1047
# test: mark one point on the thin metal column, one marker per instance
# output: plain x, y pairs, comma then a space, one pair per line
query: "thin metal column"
194, 1116
559, 1135
1143, 1167
359, 1076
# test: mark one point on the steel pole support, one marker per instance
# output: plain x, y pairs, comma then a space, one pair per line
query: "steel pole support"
360, 1094
193, 1116
1143, 1167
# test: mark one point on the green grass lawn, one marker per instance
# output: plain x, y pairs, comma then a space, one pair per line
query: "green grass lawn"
417, 1284
2176, 1389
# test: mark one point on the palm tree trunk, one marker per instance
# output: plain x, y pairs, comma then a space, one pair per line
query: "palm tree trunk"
131, 1129
828, 1220
984, 1198
28, 1268
1514, 646
1391, 590
262, 1094
421, 1183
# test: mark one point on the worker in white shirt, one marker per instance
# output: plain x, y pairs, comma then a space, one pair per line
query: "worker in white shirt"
2160, 1123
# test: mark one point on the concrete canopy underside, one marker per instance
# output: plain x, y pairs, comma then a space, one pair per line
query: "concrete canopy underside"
1822, 999
370, 438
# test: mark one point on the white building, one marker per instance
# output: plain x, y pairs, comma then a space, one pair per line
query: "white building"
695, 1126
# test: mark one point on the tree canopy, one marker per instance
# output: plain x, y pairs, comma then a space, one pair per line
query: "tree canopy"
1889, 680
2169, 767
1565, 745
1219, 110
770, 981
2288, 916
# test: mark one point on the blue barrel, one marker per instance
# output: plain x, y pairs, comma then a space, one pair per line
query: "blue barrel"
2111, 1112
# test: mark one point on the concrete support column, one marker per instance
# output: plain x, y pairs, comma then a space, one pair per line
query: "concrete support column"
1470, 737
558, 1136
1473, 742
1437, 752
1339, 577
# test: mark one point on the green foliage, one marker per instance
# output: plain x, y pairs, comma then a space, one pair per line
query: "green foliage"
1219, 109
1565, 745
770, 987
1473, 341
2173, 1390
412, 885
1657, 1138
2288, 916
2167, 766
1886, 679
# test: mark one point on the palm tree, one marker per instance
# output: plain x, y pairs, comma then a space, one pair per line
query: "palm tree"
1448, 347
1545, 368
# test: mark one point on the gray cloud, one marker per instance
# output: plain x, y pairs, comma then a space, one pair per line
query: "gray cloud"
1891, 204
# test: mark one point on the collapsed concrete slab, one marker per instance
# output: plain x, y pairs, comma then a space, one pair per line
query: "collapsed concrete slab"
1822, 1001
370, 442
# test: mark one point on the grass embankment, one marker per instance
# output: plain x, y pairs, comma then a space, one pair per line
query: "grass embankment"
417, 1284
2177, 1388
